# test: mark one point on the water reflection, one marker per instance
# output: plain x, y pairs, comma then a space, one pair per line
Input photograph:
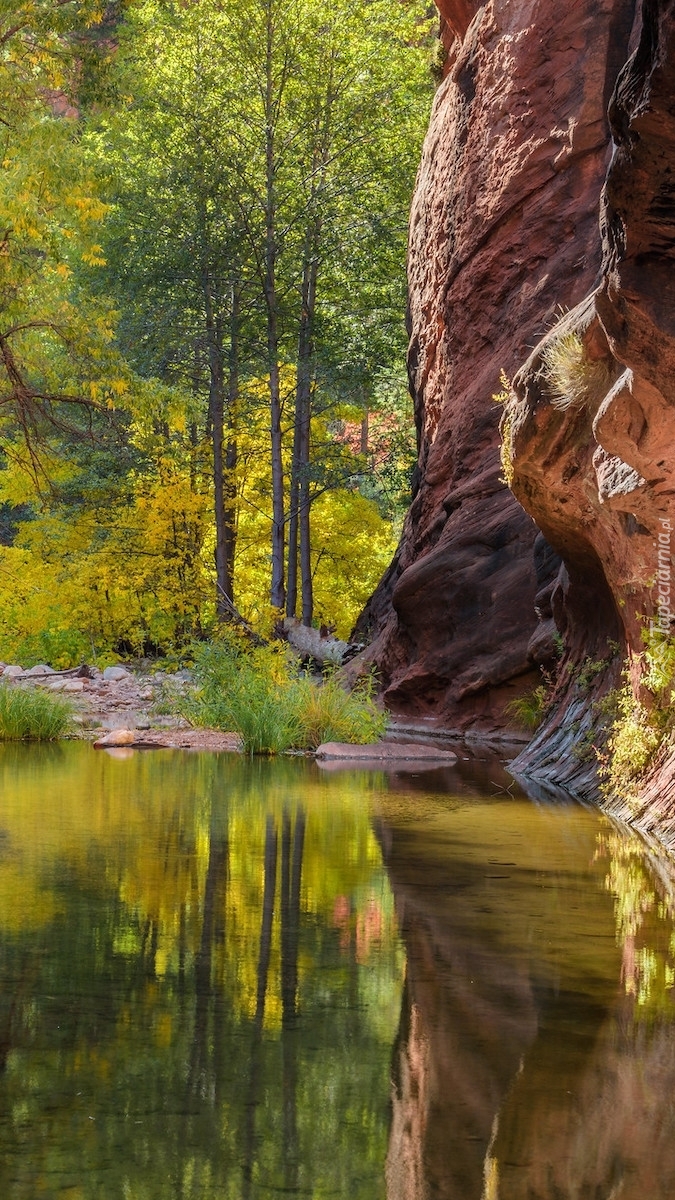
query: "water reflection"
536, 1053
199, 979
204, 966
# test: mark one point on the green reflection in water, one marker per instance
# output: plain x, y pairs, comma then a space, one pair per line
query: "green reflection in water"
200, 979
201, 982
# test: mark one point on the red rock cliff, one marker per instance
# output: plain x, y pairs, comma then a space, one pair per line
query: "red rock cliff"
542, 243
504, 234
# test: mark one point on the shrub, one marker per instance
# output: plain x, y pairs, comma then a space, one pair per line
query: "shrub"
31, 715
632, 743
258, 694
326, 712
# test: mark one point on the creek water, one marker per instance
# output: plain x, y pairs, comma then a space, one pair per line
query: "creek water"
223, 980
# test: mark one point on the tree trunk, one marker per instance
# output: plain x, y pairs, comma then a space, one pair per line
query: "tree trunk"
299, 531
214, 335
277, 589
231, 452
298, 535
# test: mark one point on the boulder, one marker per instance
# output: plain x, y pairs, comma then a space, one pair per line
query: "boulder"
116, 737
116, 674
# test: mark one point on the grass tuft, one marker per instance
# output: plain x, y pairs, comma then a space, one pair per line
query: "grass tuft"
573, 378
529, 709
32, 715
258, 694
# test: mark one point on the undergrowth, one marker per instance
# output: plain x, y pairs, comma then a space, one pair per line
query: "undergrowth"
637, 729
259, 694
32, 715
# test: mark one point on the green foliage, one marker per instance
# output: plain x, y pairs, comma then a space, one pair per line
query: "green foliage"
29, 714
589, 670
573, 378
326, 712
529, 709
638, 730
631, 745
258, 694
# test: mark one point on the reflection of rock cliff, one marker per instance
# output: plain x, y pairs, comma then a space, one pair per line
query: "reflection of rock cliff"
520, 1068
510, 228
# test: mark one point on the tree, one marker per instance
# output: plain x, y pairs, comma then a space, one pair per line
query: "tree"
266, 157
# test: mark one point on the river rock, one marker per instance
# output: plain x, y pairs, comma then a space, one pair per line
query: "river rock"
73, 685
116, 674
387, 752
13, 672
116, 737
40, 669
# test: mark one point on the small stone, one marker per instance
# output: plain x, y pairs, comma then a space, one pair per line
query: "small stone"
143, 723
13, 672
116, 737
116, 674
57, 685
73, 685
40, 669
146, 694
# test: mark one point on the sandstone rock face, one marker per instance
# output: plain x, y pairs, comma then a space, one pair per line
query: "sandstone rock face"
504, 232
598, 474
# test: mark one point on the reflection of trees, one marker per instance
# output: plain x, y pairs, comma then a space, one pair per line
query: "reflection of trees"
253, 1097
183, 1028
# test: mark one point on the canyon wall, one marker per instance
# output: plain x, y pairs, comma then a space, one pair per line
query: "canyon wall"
543, 223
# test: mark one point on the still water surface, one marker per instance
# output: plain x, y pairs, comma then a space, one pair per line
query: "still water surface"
223, 980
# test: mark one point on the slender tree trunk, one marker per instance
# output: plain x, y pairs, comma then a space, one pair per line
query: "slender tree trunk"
299, 530
231, 452
214, 335
277, 589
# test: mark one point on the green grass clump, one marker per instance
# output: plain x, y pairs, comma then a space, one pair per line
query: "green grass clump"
27, 714
530, 708
258, 694
326, 712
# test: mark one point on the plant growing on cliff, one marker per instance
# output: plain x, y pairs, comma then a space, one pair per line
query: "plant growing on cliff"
529, 709
573, 378
506, 429
638, 730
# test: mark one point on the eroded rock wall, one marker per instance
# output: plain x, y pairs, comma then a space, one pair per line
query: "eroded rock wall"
504, 233
597, 469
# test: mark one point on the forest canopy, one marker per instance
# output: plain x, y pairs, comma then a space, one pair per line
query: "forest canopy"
203, 403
